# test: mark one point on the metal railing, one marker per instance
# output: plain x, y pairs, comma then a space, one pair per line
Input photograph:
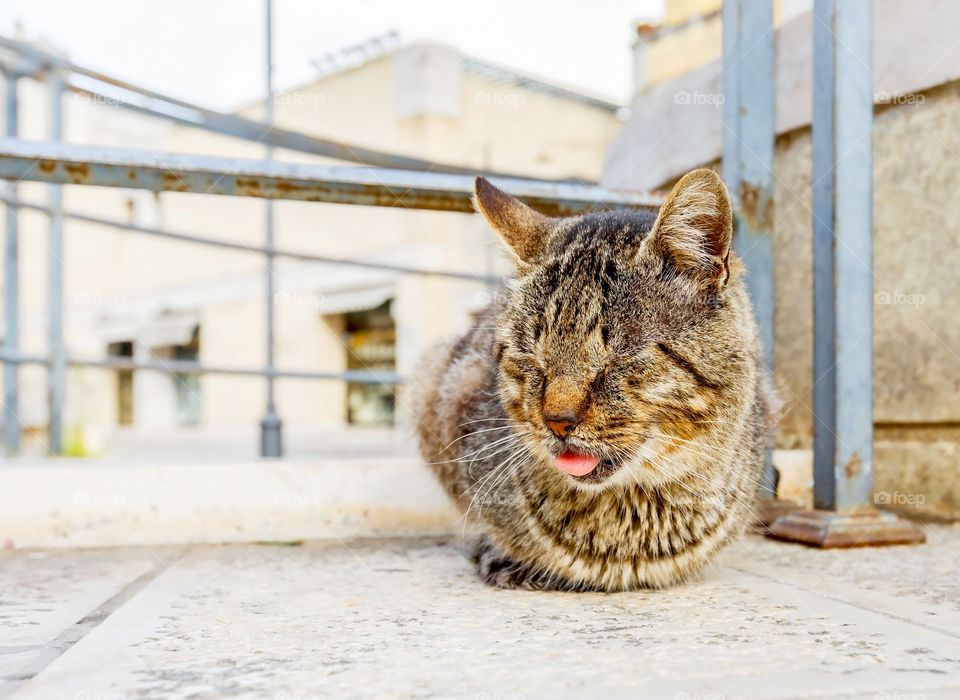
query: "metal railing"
384, 180
842, 115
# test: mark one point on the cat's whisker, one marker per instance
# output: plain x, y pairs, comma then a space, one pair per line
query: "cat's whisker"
486, 420
510, 465
506, 471
498, 441
690, 472
461, 458
479, 450
688, 441
710, 452
506, 448
475, 432
478, 487
699, 449
684, 422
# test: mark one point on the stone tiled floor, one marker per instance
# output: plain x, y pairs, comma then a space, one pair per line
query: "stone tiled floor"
407, 618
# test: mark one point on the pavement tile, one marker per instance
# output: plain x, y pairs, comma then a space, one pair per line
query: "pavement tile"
389, 618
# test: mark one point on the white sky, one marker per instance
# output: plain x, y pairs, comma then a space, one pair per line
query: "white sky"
211, 51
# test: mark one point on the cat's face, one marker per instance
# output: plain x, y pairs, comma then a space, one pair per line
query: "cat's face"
614, 343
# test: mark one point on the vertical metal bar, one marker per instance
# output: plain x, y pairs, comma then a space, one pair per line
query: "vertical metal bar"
271, 436
824, 321
843, 256
11, 342
748, 159
57, 373
730, 18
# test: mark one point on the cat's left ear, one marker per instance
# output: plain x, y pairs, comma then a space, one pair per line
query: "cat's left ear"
694, 230
523, 229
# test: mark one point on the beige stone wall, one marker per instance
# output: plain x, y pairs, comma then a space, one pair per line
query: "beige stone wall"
117, 280
676, 53
499, 127
916, 148
917, 322
673, 52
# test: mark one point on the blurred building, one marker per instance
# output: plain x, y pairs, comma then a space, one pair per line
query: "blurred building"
676, 121
133, 295
689, 35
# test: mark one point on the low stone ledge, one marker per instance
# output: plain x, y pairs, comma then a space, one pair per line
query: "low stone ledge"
90, 505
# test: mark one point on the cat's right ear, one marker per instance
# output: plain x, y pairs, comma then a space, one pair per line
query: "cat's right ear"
524, 230
694, 230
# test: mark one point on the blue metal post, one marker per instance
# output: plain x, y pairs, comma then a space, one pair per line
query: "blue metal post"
271, 427
731, 98
11, 341
843, 254
748, 158
57, 373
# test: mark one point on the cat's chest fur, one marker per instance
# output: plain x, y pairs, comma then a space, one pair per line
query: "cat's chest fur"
617, 539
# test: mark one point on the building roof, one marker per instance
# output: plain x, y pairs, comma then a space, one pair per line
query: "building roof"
492, 72
351, 57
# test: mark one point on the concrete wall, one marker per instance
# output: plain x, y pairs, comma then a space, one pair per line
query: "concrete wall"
916, 319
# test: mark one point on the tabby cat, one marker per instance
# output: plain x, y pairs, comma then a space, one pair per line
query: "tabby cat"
606, 419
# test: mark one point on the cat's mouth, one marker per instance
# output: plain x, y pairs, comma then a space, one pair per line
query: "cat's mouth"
585, 468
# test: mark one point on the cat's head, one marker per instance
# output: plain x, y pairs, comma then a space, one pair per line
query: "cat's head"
622, 336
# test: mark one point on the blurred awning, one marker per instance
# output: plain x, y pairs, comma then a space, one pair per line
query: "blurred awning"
169, 329
344, 301
153, 330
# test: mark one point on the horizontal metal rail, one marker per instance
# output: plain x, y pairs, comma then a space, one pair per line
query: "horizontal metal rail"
201, 240
355, 376
394, 181
113, 167
169, 108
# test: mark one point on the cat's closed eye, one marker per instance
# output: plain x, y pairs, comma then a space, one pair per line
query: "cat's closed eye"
599, 381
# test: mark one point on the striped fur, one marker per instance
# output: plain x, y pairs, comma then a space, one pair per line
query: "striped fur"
643, 329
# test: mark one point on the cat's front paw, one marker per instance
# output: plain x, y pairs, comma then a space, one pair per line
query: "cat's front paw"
497, 569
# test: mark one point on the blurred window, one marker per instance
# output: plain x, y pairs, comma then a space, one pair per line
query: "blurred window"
124, 382
371, 339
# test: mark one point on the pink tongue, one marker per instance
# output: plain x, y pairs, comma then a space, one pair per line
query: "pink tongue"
577, 464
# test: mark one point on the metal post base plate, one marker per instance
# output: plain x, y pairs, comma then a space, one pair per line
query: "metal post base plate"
859, 528
271, 435
768, 510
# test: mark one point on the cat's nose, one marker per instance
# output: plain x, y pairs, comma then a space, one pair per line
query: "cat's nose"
561, 424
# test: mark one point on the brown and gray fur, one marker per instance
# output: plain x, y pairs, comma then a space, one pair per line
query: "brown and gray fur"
637, 328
